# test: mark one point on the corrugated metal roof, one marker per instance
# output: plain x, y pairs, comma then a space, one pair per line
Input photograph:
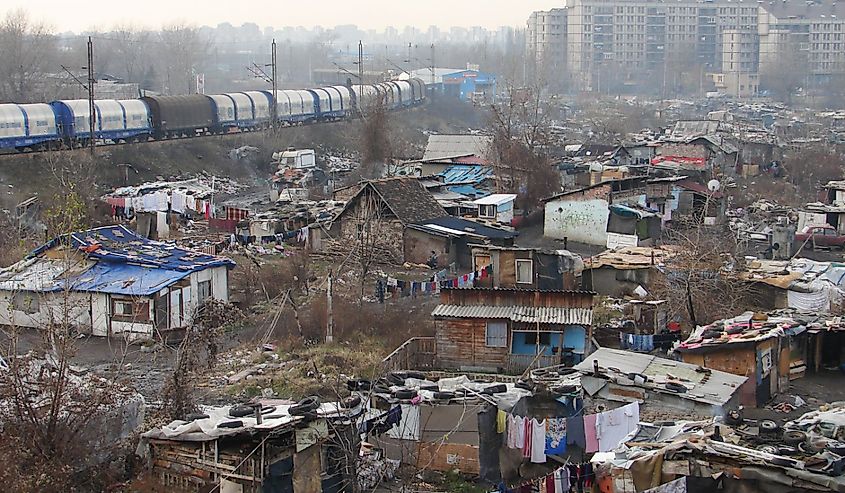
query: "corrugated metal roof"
527, 314
715, 388
447, 146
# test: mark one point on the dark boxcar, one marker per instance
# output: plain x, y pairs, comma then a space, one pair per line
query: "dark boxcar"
180, 115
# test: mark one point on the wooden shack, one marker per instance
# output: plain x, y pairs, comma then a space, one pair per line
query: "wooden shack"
508, 330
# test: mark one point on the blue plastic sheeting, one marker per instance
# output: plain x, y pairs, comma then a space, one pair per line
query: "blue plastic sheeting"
118, 244
126, 279
466, 174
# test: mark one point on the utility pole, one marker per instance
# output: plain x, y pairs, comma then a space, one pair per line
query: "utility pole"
330, 315
360, 76
91, 111
432, 65
274, 110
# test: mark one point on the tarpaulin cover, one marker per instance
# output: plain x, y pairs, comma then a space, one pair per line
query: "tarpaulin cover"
120, 244
125, 279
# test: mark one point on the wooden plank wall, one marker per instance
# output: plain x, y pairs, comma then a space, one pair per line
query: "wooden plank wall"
462, 342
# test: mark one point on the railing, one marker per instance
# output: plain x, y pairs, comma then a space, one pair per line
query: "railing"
518, 363
417, 353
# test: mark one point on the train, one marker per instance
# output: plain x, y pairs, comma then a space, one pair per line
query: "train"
65, 123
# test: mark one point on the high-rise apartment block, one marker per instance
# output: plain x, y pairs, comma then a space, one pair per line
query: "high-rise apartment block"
596, 44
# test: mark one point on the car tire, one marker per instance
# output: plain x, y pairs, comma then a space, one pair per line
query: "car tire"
676, 387
768, 426
495, 389
241, 411
231, 424
351, 402
404, 394
309, 404
195, 416
794, 437
444, 396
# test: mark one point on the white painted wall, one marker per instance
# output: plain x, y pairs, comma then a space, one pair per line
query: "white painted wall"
582, 221
91, 312
51, 307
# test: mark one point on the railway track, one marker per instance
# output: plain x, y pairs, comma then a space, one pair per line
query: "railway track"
5, 153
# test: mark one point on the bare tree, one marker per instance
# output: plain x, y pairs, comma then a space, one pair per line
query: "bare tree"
27, 49
183, 49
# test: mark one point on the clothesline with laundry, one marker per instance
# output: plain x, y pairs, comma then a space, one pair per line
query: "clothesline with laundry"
438, 282
538, 438
176, 201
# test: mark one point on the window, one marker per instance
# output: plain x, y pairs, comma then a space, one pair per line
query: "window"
545, 338
129, 310
203, 290
26, 302
496, 334
524, 271
488, 211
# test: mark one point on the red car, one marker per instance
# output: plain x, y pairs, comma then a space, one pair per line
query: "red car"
826, 236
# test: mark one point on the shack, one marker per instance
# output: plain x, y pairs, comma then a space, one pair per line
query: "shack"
381, 210
452, 240
527, 268
113, 281
769, 350
509, 330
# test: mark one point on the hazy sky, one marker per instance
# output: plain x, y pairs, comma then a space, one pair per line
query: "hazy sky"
65, 15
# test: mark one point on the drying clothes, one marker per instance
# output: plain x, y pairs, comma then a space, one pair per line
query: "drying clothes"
526, 445
590, 434
561, 480
555, 436
178, 202
643, 343
501, 421
516, 432
549, 484
538, 441
613, 426
575, 432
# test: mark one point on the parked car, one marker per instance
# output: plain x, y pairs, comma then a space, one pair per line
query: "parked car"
825, 236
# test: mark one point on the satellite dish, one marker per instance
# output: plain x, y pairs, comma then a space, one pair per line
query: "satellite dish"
713, 185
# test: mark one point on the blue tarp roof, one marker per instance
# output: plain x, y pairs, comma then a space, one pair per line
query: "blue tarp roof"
465, 177
126, 279
118, 244
462, 173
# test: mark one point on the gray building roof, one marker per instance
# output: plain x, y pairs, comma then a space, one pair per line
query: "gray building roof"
527, 314
450, 146
711, 387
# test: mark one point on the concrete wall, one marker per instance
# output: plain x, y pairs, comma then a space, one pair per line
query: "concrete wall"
46, 308
581, 221
418, 246
91, 312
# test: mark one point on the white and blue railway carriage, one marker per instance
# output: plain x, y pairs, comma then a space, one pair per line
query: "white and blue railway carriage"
27, 126
115, 120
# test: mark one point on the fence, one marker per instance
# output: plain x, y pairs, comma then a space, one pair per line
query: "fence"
417, 353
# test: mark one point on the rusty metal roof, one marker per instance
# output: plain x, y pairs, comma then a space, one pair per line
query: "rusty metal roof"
527, 314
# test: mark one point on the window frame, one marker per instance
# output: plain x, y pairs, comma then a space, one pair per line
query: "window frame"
200, 298
485, 207
530, 270
503, 337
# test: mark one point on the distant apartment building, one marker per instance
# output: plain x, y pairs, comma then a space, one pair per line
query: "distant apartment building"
546, 42
610, 44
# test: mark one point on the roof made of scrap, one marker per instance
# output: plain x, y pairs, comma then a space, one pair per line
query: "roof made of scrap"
119, 244
526, 314
448, 146
407, 199
631, 258
456, 226
749, 328
709, 386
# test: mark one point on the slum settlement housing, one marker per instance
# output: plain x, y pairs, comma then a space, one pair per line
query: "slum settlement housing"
113, 282
509, 329
379, 212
